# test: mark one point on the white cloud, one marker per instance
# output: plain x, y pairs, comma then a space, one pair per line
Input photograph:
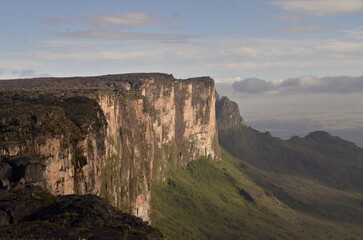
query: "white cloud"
23, 60
57, 21
342, 46
110, 34
321, 8
70, 43
306, 29
301, 85
253, 85
288, 17
248, 51
133, 19
120, 20
302, 82
356, 34
108, 26
254, 66
24, 73
21, 73
223, 58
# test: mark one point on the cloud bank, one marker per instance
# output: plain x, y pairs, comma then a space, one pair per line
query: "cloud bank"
22, 73
110, 34
221, 58
253, 86
288, 17
115, 26
132, 19
321, 8
301, 85
306, 29
121, 20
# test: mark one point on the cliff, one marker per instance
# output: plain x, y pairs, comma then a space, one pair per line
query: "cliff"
228, 113
113, 136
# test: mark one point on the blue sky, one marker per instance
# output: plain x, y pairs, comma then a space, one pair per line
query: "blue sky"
292, 65
224, 39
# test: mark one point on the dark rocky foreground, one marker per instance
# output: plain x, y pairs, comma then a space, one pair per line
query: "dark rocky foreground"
32, 213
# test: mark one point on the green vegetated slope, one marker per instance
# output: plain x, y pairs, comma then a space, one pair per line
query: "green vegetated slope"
319, 175
330, 160
216, 200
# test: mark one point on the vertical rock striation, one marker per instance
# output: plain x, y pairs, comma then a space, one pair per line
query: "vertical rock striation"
112, 136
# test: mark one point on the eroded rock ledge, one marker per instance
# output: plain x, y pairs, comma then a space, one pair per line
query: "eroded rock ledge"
32, 213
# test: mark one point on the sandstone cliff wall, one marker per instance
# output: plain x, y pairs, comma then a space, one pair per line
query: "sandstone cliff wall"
112, 136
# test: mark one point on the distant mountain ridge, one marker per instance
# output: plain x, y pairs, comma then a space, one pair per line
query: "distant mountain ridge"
319, 155
318, 174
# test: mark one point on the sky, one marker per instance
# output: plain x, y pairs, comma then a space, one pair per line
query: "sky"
293, 66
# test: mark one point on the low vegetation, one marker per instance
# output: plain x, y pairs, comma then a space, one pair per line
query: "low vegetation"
215, 200
318, 174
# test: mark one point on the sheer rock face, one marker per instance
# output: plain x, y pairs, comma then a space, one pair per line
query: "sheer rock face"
112, 136
228, 113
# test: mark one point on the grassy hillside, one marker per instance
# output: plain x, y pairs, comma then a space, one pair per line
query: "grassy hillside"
311, 197
265, 188
319, 156
318, 174
209, 200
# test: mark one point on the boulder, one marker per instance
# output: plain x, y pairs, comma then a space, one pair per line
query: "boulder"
19, 185
6, 171
22, 203
4, 193
18, 164
24, 167
5, 184
4, 219
33, 172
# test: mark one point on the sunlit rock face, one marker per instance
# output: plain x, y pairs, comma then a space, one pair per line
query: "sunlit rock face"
227, 112
113, 136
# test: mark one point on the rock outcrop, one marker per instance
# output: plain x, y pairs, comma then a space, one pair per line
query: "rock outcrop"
33, 213
227, 112
112, 136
